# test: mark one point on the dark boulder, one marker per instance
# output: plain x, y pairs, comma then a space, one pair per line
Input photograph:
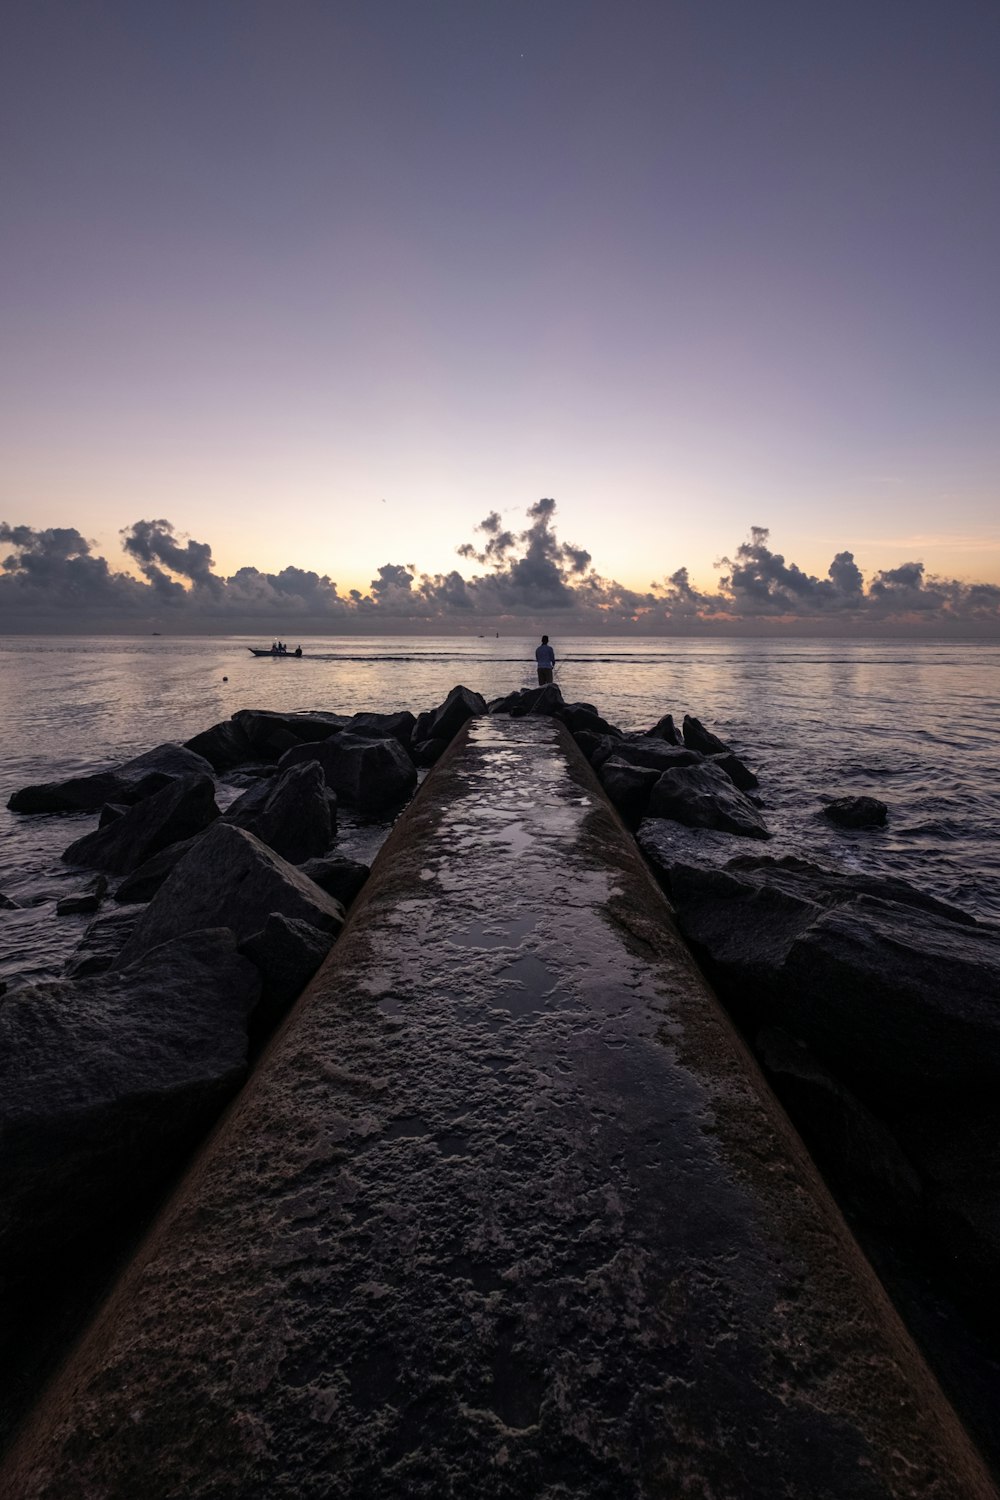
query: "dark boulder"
86, 900
583, 717
128, 783
597, 747
628, 787
665, 729
446, 720
655, 754
101, 944
891, 989
703, 796
270, 734
339, 877
371, 775
111, 812
739, 774
956, 1150
857, 812
428, 752
398, 726
286, 953
179, 810
537, 700
77, 906
292, 812
697, 737
143, 883
230, 879
224, 746
856, 1150
106, 1083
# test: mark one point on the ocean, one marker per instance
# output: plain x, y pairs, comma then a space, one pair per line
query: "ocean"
911, 722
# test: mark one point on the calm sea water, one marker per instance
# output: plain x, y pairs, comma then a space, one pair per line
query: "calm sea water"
914, 723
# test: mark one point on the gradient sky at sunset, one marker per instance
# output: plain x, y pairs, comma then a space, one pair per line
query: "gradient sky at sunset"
324, 284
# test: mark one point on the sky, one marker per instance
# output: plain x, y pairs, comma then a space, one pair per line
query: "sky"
313, 291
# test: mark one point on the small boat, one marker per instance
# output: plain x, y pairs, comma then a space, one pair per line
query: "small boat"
280, 655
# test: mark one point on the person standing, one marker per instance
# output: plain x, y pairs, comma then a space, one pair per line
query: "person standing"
545, 659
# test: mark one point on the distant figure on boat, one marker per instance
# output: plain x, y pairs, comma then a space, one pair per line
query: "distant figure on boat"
298, 651
545, 657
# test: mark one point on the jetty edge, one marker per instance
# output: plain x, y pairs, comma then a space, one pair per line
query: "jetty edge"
507, 1206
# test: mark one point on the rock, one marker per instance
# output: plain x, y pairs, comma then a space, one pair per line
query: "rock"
111, 812
428, 752
655, 753
739, 774
371, 775
398, 726
855, 1149
286, 953
106, 1083
956, 1150
597, 747
86, 900
100, 945
628, 787
271, 734
224, 746
71, 906
583, 717
230, 879
665, 729
697, 737
892, 990
857, 812
339, 877
704, 797
179, 810
292, 812
143, 883
537, 700
128, 783
446, 720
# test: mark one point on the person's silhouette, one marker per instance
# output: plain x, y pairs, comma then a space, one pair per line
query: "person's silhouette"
545, 659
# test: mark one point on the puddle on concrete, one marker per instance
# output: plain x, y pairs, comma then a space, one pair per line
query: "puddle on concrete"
525, 985
482, 1275
519, 838
453, 1143
495, 934
407, 1127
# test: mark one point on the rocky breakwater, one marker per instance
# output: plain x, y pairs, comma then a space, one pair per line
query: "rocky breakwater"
110, 1074
505, 1211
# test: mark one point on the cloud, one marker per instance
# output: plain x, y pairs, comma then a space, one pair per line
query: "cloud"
51, 580
154, 543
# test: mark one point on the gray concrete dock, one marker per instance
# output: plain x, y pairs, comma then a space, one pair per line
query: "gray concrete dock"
506, 1211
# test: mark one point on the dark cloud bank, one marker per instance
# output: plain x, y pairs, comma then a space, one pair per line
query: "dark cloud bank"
52, 581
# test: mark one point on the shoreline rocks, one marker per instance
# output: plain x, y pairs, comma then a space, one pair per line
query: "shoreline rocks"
870, 1006
106, 1081
228, 878
127, 783
179, 810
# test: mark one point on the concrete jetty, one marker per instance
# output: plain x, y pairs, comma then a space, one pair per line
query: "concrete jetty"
506, 1211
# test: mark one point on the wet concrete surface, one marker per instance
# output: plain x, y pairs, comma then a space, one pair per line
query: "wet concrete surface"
506, 1211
